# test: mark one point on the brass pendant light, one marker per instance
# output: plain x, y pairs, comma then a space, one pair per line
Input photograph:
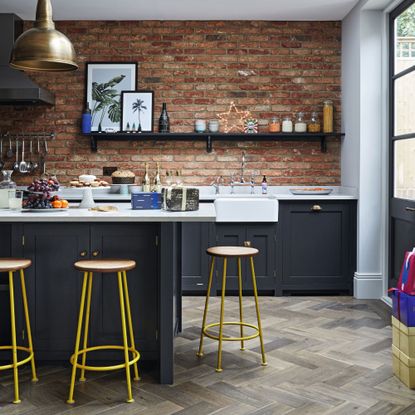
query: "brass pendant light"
43, 48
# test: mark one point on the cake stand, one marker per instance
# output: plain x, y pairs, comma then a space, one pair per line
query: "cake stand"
88, 201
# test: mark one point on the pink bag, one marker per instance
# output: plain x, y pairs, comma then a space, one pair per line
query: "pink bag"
406, 281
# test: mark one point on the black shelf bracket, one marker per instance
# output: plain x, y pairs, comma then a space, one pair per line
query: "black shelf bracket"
323, 144
209, 144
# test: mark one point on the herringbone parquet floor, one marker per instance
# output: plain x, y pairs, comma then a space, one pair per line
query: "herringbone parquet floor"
326, 355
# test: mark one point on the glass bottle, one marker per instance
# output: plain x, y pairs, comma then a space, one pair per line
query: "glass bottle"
146, 181
328, 116
314, 124
157, 180
164, 121
300, 125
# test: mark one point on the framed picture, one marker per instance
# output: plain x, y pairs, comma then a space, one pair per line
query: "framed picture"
137, 111
104, 83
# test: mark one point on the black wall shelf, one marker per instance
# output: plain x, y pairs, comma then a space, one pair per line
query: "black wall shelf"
211, 137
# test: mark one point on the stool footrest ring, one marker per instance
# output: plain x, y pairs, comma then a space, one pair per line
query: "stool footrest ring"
20, 362
136, 357
231, 323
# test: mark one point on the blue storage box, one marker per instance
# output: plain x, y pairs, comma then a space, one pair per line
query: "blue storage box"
404, 307
145, 200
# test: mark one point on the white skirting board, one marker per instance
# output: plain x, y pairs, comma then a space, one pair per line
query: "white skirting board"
368, 286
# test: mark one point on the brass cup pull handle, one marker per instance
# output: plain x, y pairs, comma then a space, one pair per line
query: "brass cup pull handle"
83, 253
316, 208
247, 243
95, 253
410, 209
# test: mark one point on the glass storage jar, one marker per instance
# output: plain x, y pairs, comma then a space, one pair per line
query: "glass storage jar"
300, 125
274, 126
328, 116
314, 124
287, 125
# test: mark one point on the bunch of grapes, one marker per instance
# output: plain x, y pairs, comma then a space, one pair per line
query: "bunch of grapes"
43, 188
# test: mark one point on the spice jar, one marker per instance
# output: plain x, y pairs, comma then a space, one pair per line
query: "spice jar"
300, 124
274, 125
287, 125
328, 116
314, 125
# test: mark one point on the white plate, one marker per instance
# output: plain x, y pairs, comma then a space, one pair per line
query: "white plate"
310, 192
45, 210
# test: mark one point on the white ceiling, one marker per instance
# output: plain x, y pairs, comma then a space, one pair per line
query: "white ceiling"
186, 9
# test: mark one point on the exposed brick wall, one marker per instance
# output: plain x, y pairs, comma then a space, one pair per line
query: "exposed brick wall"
194, 67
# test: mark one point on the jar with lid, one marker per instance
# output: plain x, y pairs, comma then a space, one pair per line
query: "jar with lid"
5, 186
300, 125
328, 116
274, 126
314, 124
287, 125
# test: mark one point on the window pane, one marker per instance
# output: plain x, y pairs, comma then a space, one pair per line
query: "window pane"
404, 39
404, 170
405, 104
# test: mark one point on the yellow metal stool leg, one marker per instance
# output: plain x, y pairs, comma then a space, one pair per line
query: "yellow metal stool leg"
124, 336
264, 361
14, 344
86, 328
130, 322
29, 331
78, 339
222, 314
241, 319
209, 288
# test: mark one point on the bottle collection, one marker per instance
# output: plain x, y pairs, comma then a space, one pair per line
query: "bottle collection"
155, 184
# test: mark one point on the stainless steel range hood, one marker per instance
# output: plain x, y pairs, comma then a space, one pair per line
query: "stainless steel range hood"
16, 88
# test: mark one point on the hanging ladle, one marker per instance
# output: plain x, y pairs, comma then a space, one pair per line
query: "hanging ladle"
16, 164
23, 164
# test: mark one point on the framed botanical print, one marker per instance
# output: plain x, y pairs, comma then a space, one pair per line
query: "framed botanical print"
104, 83
137, 111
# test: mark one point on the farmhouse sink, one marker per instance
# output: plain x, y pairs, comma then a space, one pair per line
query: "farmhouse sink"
252, 209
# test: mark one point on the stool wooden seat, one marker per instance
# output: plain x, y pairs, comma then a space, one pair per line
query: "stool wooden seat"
14, 264
232, 251
226, 252
120, 267
105, 265
11, 265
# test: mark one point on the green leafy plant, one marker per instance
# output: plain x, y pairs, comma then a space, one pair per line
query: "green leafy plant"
139, 108
106, 99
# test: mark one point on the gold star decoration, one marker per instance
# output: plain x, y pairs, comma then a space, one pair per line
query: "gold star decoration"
233, 119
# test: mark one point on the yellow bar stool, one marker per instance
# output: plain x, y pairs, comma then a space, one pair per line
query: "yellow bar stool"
120, 267
231, 252
12, 265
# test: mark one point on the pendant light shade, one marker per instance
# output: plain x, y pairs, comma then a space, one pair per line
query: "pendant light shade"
43, 48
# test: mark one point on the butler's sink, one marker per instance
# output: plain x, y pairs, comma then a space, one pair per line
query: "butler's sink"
252, 209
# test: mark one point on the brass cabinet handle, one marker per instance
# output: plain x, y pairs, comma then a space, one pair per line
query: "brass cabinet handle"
316, 208
95, 253
247, 243
83, 253
410, 209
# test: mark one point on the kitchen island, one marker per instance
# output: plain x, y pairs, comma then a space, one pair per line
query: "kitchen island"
55, 240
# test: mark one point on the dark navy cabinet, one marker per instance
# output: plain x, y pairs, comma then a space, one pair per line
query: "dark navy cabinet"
54, 286
318, 247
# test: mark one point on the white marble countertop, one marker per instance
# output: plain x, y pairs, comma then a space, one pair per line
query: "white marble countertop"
208, 193
206, 213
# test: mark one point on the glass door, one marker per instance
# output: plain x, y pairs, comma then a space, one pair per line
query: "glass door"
402, 135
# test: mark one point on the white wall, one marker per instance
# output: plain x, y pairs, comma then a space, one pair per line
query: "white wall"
363, 149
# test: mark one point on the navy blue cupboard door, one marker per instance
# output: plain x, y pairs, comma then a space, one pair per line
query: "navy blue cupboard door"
53, 285
195, 261
129, 241
318, 246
